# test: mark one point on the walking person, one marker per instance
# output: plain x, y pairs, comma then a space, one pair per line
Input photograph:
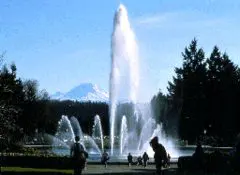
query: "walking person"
145, 159
160, 155
130, 159
79, 156
105, 158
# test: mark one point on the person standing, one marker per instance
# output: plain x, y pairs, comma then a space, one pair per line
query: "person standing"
79, 156
160, 155
168, 160
198, 156
130, 159
145, 159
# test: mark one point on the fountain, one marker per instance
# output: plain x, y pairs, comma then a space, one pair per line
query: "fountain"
69, 128
136, 130
132, 124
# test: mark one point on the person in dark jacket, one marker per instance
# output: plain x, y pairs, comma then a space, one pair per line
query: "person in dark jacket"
105, 158
145, 159
130, 159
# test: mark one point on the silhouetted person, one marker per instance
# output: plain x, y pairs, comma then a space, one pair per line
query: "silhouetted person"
139, 160
145, 159
130, 159
168, 160
105, 158
1, 162
236, 157
198, 156
160, 155
79, 156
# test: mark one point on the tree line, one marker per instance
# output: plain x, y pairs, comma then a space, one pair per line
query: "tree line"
202, 101
24, 109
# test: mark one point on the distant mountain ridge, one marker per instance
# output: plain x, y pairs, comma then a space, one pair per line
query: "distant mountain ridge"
83, 92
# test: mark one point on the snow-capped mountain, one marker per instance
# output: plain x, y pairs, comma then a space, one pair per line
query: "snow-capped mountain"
83, 92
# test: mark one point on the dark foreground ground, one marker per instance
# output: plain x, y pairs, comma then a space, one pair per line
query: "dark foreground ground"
100, 169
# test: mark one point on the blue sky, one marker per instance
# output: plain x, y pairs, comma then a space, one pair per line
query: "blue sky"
63, 43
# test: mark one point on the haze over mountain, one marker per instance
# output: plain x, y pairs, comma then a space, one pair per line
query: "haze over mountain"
83, 92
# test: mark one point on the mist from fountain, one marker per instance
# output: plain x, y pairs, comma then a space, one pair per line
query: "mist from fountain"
54, 141
123, 134
124, 85
146, 132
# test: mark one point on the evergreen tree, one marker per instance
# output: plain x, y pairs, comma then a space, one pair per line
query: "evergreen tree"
222, 89
188, 88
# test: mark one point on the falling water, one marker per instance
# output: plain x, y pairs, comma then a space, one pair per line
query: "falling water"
91, 145
68, 129
76, 127
97, 130
146, 132
123, 134
124, 76
65, 130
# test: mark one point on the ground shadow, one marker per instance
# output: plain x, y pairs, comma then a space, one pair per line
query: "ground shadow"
29, 173
143, 170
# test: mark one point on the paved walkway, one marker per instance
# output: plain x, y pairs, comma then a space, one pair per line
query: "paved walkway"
119, 169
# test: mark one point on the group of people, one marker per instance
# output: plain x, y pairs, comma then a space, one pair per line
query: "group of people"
79, 156
141, 160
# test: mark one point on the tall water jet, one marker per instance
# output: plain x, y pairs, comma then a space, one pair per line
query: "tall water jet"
97, 130
124, 83
124, 71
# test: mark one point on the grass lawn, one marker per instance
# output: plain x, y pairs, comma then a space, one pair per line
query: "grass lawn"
91, 169
19, 169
